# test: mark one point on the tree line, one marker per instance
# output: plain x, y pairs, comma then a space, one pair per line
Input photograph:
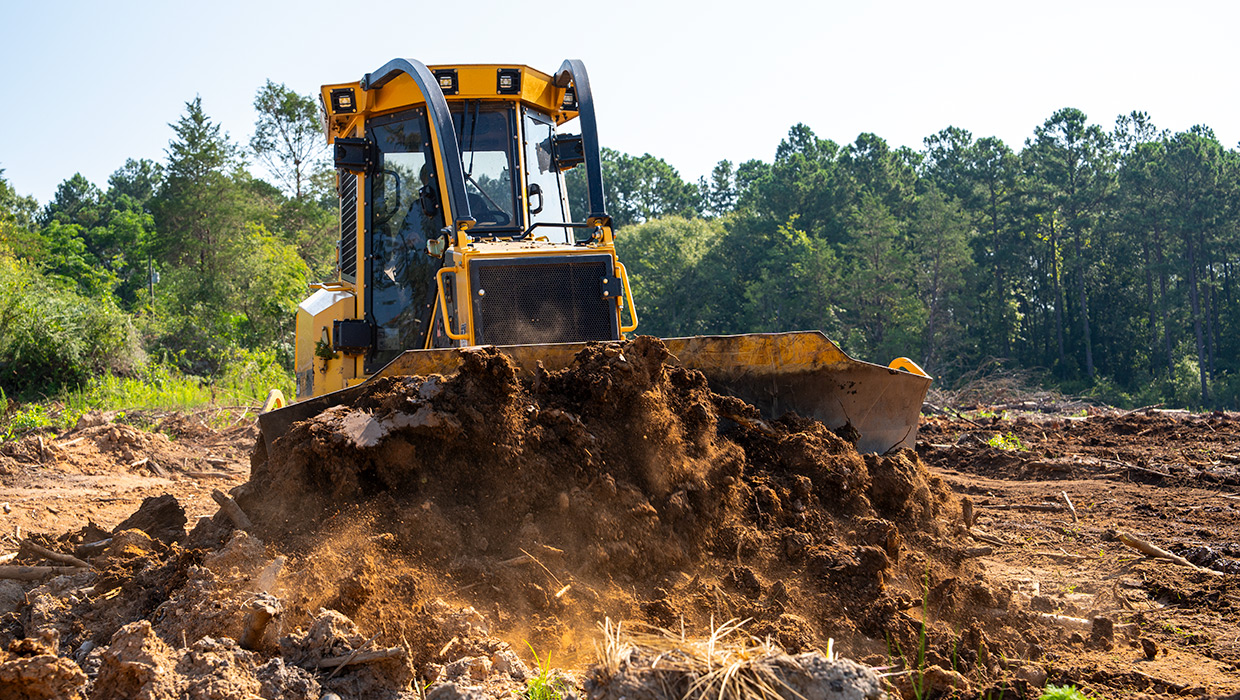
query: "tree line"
1105, 260
1101, 258
192, 260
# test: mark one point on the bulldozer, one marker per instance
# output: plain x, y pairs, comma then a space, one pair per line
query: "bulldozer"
456, 231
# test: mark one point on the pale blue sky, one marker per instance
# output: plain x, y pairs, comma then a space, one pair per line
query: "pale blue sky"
93, 83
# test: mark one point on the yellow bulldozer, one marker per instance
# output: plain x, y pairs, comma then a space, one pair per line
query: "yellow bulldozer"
456, 231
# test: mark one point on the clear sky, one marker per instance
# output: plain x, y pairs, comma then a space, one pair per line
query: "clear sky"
93, 83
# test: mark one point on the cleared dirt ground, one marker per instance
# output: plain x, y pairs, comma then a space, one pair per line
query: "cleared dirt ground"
454, 521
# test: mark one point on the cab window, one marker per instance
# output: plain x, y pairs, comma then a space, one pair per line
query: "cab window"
543, 182
486, 134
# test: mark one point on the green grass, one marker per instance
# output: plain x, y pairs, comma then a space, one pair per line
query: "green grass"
543, 686
1008, 442
245, 382
987, 413
22, 420
1062, 692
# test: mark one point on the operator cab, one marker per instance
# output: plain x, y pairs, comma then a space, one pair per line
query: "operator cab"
455, 221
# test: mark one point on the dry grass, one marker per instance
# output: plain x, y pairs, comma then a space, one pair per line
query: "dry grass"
728, 663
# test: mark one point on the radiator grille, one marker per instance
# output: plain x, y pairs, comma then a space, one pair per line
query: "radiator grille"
550, 300
347, 188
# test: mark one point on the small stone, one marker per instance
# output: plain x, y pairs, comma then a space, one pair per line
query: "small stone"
506, 661
1150, 648
1102, 628
480, 668
1035, 676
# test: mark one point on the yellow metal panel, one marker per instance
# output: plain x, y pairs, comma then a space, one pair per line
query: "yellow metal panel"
474, 82
399, 93
315, 316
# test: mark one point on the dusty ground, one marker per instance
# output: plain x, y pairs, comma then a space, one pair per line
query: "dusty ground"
1168, 478
458, 520
100, 472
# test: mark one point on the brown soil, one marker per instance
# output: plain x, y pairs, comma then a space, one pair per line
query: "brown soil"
464, 521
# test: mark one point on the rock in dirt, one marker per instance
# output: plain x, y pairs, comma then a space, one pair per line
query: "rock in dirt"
215, 598
138, 664
1034, 675
94, 419
333, 635
57, 605
31, 670
12, 596
933, 681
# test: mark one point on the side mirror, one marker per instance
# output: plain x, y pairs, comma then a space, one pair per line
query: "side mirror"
568, 150
535, 189
428, 197
354, 155
436, 246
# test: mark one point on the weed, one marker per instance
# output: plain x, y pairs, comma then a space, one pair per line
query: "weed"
245, 381
987, 413
1169, 628
918, 669
21, 421
544, 686
1007, 442
1062, 692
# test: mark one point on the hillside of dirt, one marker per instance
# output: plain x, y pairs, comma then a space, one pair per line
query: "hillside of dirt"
441, 531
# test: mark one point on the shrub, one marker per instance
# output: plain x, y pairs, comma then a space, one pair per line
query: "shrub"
53, 338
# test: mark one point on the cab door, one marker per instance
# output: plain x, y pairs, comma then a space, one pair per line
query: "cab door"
403, 214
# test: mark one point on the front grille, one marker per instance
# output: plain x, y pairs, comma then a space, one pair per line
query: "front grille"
543, 300
347, 188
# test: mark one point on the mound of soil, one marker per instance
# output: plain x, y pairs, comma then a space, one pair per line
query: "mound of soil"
615, 488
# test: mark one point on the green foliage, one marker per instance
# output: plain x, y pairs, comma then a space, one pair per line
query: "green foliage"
14, 423
288, 137
1062, 692
663, 258
544, 685
1007, 441
16, 211
637, 189
53, 338
245, 380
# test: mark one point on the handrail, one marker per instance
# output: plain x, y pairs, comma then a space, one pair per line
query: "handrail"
628, 294
443, 304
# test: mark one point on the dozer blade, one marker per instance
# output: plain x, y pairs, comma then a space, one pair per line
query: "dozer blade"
776, 372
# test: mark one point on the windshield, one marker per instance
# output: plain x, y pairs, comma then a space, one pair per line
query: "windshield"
485, 134
543, 179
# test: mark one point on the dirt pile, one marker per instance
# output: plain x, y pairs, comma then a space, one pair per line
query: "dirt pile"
620, 487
